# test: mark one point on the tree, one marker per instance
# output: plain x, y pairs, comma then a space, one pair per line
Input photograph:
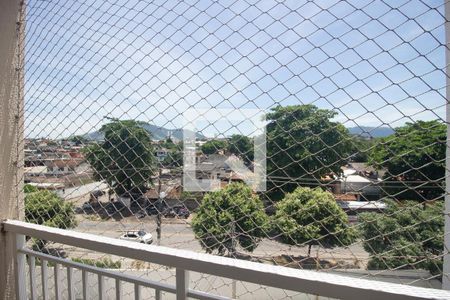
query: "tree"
415, 160
46, 208
405, 236
125, 159
28, 188
174, 158
79, 139
312, 217
361, 148
242, 146
169, 144
303, 145
214, 146
231, 216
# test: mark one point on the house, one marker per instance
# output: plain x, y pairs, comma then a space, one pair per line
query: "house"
366, 170
53, 186
362, 180
62, 166
213, 166
170, 190
161, 154
35, 170
354, 208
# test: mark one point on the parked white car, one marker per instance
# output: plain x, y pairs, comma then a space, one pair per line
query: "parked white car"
139, 236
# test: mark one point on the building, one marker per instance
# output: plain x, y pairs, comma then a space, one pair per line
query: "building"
161, 154
362, 180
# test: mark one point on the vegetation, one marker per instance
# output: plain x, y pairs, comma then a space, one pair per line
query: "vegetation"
312, 217
169, 144
28, 188
406, 236
242, 146
79, 140
46, 208
415, 160
106, 262
303, 145
230, 217
174, 157
361, 148
214, 146
173, 160
125, 159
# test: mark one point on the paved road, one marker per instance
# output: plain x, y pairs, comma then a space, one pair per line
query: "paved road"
178, 234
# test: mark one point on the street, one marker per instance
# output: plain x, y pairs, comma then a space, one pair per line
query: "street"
177, 233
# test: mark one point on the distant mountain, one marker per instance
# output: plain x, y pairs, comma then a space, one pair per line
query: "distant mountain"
375, 132
157, 133
94, 136
160, 133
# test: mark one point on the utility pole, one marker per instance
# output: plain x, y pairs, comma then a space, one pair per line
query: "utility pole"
158, 208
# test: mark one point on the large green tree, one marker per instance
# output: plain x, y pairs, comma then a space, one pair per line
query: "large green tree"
79, 140
174, 158
168, 143
125, 159
230, 217
415, 160
242, 146
303, 145
405, 236
44, 207
361, 148
312, 217
214, 146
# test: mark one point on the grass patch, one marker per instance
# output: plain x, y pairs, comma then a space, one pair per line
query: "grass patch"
105, 263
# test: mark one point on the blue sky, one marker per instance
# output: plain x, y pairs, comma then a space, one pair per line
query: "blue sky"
374, 62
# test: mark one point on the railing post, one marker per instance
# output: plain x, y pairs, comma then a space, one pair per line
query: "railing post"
58, 286
118, 289
85, 283
446, 265
158, 295
20, 265
11, 134
70, 284
44, 279
101, 288
137, 291
32, 268
182, 284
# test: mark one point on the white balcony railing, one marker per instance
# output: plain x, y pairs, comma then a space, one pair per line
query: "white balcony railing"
310, 282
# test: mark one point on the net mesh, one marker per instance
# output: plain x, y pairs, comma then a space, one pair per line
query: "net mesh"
351, 95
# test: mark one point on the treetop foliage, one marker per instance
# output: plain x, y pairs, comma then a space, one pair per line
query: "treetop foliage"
125, 159
233, 214
242, 146
405, 236
214, 146
303, 142
414, 155
312, 217
44, 207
